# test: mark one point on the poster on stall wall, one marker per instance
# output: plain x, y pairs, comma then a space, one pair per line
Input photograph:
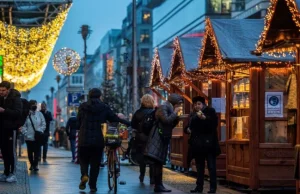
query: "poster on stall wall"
218, 104
274, 104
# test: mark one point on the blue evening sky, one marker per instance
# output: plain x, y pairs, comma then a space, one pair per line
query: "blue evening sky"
100, 15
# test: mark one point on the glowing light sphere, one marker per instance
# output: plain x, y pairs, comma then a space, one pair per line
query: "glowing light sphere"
66, 61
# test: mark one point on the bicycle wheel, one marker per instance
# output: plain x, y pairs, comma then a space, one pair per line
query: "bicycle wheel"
110, 170
115, 177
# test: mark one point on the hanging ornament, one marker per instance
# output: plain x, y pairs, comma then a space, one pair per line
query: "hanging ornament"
66, 61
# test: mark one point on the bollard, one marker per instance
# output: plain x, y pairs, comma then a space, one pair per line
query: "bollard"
76, 148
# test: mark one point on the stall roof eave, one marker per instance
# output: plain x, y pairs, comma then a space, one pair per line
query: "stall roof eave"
241, 38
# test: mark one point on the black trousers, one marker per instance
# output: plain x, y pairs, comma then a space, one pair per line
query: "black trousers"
33, 150
8, 154
211, 164
90, 157
45, 147
158, 173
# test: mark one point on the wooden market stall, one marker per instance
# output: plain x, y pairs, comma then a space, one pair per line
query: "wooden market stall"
259, 144
185, 58
159, 71
281, 36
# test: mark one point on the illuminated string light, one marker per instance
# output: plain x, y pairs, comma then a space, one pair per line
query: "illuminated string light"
66, 61
28, 50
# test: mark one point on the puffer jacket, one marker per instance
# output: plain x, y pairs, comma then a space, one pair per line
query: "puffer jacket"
39, 123
13, 111
90, 117
157, 145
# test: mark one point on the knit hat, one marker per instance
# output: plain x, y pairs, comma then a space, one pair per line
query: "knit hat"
198, 99
175, 99
95, 93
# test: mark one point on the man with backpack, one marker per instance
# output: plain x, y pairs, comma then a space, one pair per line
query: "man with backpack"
142, 122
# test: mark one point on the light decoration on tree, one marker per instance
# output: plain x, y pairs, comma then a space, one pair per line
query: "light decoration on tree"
28, 50
66, 61
278, 52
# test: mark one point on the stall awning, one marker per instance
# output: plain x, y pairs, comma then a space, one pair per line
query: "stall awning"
165, 57
190, 48
237, 39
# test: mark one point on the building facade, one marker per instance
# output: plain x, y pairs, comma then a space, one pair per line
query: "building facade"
249, 9
179, 17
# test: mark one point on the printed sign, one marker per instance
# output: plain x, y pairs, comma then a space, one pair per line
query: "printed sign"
74, 99
273, 104
219, 104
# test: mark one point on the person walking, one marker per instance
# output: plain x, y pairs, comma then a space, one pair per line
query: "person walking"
48, 118
10, 112
91, 115
204, 142
159, 138
34, 123
142, 122
71, 133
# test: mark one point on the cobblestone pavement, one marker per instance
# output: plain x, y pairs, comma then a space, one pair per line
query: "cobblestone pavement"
22, 184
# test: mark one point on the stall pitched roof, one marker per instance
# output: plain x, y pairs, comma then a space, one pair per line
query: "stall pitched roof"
165, 57
187, 49
237, 38
282, 14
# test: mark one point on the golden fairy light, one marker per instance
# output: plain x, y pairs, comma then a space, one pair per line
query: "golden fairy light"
28, 50
66, 61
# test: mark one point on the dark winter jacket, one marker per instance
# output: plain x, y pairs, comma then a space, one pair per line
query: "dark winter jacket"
48, 119
90, 117
206, 127
71, 128
13, 110
157, 147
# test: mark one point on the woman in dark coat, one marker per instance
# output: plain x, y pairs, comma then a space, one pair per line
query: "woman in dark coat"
157, 146
204, 142
138, 123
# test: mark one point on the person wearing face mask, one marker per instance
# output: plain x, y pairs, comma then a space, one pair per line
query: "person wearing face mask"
48, 118
10, 112
35, 122
204, 142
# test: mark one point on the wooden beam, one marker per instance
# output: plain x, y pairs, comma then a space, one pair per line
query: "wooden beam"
164, 87
10, 15
194, 87
177, 90
158, 94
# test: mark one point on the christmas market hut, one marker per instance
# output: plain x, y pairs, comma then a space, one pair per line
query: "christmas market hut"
159, 71
258, 141
280, 38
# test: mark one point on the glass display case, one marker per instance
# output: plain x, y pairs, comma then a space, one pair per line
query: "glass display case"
240, 109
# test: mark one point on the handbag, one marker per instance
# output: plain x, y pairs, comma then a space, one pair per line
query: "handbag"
38, 135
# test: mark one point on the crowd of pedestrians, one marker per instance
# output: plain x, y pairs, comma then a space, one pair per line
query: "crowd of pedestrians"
151, 125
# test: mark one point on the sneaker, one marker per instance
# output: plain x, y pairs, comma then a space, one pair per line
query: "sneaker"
11, 178
36, 169
44, 160
93, 190
3, 177
83, 181
31, 168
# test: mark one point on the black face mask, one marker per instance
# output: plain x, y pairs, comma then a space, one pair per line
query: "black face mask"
33, 108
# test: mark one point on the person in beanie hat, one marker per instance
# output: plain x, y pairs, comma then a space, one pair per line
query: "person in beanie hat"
157, 148
204, 143
91, 115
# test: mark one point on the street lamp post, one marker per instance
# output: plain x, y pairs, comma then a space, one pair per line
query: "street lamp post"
134, 57
85, 33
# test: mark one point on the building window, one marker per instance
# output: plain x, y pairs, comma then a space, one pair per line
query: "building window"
219, 6
146, 17
145, 36
145, 54
77, 80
